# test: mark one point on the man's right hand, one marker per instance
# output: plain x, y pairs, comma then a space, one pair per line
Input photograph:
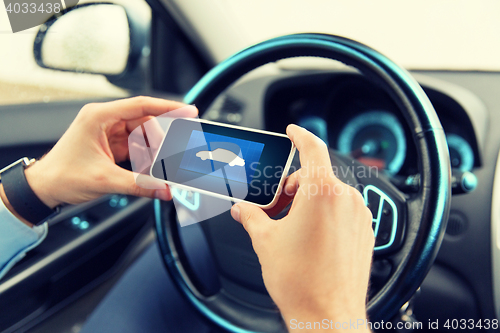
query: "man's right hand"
316, 260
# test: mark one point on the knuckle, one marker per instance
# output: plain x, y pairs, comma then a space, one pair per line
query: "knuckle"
244, 220
140, 100
263, 234
357, 196
319, 145
372, 238
100, 178
246, 217
97, 174
86, 109
89, 111
316, 142
368, 214
311, 141
322, 144
90, 107
358, 202
134, 190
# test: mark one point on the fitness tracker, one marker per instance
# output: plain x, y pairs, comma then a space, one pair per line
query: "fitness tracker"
20, 195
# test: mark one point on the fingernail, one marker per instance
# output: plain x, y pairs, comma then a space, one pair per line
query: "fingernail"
169, 193
163, 195
235, 212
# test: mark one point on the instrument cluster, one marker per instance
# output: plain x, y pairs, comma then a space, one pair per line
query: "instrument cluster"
358, 119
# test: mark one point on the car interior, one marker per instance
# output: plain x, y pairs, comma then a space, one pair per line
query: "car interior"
264, 66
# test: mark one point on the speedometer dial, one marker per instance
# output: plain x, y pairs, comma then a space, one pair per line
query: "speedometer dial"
461, 153
375, 138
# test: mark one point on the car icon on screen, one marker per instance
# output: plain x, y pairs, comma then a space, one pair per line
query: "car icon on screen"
221, 155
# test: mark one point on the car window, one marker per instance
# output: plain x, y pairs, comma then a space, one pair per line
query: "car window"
23, 81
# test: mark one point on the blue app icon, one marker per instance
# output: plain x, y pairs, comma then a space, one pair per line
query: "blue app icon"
221, 156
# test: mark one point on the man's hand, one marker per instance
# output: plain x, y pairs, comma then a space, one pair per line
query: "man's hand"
316, 260
82, 165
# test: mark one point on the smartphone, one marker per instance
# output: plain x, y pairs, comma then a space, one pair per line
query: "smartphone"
225, 161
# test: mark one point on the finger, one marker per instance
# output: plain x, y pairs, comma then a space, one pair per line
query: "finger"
125, 182
154, 133
250, 216
142, 106
152, 129
312, 150
186, 111
144, 141
134, 123
286, 195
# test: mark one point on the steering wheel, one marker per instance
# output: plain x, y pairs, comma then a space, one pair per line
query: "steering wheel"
409, 228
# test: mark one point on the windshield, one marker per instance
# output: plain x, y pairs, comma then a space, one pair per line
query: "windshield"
425, 34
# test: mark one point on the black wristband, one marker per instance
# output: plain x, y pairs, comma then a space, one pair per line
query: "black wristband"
22, 198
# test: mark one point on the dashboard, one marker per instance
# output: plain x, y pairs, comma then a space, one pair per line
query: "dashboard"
356, 118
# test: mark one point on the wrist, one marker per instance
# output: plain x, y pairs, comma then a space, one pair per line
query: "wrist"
41, 184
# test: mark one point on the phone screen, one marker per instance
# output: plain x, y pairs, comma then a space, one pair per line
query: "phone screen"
232, 162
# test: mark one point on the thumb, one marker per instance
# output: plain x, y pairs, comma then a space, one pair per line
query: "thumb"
125, 182
250, 216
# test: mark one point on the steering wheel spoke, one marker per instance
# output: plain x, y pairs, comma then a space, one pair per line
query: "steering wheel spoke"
386, 202
388, 207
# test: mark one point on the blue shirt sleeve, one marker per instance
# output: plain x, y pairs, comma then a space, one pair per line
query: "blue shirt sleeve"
16, 238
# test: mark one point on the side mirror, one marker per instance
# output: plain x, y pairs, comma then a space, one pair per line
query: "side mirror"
97, 38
